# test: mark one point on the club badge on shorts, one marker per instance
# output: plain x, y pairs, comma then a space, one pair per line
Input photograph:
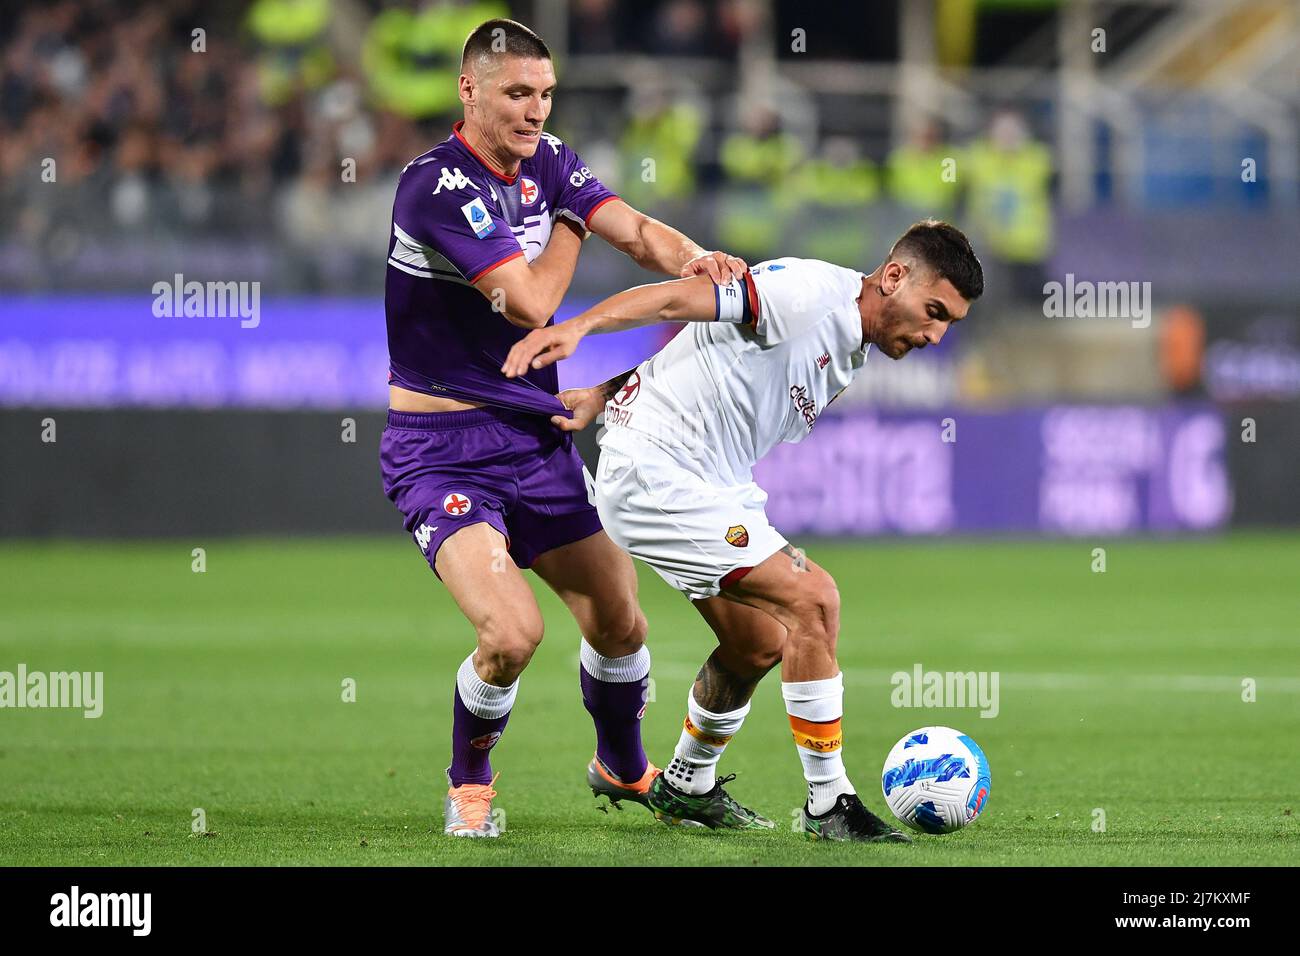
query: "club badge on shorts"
737, 536
455, 504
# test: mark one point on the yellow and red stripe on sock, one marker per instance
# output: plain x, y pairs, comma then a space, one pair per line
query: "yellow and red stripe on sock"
821, 736
706, 738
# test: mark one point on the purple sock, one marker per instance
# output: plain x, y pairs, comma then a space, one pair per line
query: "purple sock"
616, 708
472, 740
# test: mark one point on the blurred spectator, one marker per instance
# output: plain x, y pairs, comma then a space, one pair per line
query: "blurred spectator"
1182, 349
916, 171
737, 21
295, 49
1007, 182
681, 29
824, 205
593, 27
664, 129
758, 160
413, 59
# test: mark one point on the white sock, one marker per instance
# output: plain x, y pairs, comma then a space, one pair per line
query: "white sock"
704, 736
614, 670
816, 708
481, 698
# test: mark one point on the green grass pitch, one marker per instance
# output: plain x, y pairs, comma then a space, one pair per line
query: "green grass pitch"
1121, 692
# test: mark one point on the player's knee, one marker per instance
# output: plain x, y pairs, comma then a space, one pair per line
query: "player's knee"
816, 611
620, 632
504, 662
640, 627
506, 645
760, 660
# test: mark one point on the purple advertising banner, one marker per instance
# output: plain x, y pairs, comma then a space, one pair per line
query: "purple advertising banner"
1068, 470
275, 353
865, 471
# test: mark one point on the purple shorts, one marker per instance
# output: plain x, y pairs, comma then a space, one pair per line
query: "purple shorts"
514, 470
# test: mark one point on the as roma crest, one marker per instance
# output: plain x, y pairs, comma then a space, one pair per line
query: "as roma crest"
737, 536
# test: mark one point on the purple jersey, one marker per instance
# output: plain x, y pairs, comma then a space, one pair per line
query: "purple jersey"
456, 219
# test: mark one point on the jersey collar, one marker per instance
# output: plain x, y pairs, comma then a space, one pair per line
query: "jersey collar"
508, 180
859, 355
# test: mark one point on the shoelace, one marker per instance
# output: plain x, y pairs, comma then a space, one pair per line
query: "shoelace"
476, 803
863, 819
735, 804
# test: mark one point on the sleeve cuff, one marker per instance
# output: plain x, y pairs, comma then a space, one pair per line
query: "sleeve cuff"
500, 262
592, 211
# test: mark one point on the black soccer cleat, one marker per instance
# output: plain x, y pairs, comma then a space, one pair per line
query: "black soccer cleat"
850, 820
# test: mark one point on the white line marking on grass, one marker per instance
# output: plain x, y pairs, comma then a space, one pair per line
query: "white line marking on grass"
1196, 683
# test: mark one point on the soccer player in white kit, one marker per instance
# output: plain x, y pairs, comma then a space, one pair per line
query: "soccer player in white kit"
763, 357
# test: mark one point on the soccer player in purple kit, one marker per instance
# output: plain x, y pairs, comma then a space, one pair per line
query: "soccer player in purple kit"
487, 227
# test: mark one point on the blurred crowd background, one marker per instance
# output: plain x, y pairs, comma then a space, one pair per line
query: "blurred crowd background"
763, 126
1142, 141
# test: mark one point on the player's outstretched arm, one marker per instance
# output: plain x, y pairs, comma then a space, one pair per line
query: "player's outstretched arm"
528, 293
659, 247
681, 300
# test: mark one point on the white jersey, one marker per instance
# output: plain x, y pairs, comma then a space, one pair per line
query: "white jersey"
721, 394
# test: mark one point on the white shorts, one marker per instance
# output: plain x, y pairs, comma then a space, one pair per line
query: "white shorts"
692, 532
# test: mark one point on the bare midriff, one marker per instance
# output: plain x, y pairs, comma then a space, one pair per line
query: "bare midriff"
404, 400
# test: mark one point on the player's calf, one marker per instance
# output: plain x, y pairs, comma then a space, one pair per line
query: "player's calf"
614, 672
487, 684
615, 691
716, 708
811, 614
597, 582
803, 597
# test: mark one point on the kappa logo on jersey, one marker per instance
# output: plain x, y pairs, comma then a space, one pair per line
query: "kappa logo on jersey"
628, 393
423, 535
737, 536
804, 404
553, 141
455, 504
823, 360
477, 215
527, 191
453, 179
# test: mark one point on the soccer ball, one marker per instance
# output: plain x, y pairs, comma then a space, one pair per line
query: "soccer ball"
936, 780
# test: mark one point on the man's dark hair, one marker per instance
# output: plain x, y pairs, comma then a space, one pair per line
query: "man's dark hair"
945, 249
503, 37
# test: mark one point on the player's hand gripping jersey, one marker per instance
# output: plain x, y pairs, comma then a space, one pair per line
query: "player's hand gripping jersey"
674, 486
456, 219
